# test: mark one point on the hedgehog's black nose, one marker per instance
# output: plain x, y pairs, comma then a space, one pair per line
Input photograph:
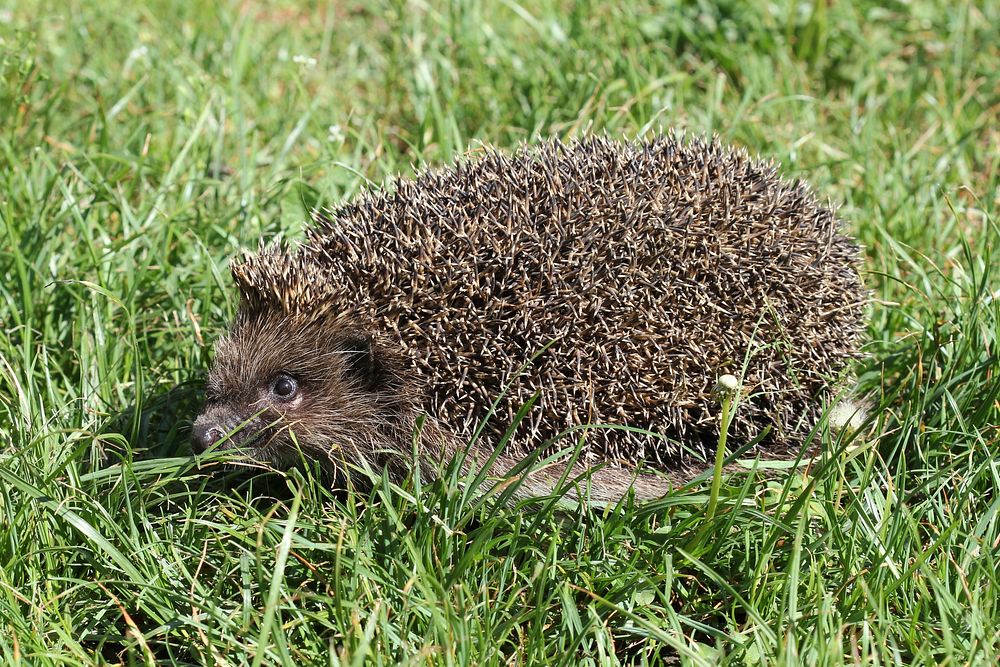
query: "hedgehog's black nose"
205, 435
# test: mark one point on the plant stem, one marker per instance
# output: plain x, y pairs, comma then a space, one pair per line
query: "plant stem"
720, 455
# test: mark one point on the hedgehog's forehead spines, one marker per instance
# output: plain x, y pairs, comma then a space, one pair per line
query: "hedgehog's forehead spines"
284, 282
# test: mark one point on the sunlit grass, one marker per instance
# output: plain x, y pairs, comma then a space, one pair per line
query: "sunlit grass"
142, 146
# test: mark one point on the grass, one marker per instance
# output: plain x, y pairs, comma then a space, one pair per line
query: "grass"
142, 145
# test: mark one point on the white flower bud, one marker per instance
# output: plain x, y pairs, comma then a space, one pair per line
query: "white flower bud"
846, 416
727, 386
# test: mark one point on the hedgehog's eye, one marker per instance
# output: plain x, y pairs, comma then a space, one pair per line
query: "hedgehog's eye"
284, 387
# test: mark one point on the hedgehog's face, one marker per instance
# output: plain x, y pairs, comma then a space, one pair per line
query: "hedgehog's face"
279, 388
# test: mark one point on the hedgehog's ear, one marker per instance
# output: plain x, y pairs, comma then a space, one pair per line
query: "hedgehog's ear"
362, 360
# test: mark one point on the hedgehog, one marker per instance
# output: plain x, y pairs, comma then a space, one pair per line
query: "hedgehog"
574, 302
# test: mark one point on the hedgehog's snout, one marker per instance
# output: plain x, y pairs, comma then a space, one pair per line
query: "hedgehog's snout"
204, 435
215, 425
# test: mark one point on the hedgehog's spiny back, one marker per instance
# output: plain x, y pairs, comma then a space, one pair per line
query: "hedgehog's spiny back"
653, 266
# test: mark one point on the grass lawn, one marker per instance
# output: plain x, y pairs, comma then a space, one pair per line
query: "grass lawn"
144, 144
